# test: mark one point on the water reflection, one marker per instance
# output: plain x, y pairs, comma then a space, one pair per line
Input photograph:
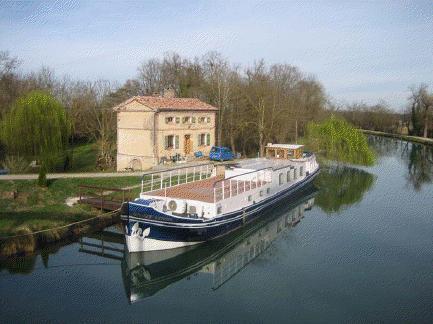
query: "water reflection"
342, 186
146, 273
417, 157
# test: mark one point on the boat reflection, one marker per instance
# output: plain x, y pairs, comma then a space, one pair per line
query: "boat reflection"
146, 273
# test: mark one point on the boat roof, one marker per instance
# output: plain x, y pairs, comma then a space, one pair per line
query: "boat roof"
261, 163
286, 146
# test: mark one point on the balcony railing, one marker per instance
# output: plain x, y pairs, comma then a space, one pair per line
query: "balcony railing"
238, 184
174, 177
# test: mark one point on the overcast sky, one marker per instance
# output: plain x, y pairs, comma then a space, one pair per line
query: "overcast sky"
359, 50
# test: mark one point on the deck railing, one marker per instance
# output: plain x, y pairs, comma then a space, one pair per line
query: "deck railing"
238, 184
170, 178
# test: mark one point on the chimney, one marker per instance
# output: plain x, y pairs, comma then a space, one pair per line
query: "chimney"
169, 93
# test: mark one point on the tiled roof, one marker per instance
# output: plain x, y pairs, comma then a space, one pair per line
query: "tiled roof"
162, 103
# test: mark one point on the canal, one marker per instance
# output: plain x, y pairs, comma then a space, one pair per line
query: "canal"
356, 247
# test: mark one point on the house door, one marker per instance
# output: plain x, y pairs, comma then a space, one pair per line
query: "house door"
187, 145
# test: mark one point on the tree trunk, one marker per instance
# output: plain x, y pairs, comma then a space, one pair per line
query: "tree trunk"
426, 123
232, 142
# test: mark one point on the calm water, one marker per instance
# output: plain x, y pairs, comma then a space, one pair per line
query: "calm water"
361, 250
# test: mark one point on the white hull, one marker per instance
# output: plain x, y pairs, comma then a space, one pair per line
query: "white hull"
138, 244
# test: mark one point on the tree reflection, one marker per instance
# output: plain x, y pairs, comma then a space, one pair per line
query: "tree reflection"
342, 186
419, 159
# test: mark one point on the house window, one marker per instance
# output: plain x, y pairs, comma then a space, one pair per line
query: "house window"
193, 120
186, 120
268, 191
261, 193
250, 198
219, 209
201, 139
201, 120
208, 139
288, 176
295, 173
177, 120
208, 120
280, 178
171, 141
169, 120
301, 171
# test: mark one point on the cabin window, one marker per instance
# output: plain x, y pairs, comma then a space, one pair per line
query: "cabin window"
250, 198
281, 179
169, 120
171, 141
301, 171
177, 120
288, 176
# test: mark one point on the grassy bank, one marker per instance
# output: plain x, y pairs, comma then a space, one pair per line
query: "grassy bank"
26, 207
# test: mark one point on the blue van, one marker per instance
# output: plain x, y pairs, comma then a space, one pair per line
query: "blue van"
218, 153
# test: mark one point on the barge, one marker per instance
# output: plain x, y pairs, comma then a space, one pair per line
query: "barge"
191, 205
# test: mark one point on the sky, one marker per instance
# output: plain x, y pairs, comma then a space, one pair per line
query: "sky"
361, 51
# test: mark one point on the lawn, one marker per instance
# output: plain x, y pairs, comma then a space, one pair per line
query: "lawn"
84, 158
35, 208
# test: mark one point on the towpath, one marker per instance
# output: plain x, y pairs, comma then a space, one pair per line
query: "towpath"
34, 176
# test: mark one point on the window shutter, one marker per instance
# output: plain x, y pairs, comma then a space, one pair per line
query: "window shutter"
208, 139
177, 141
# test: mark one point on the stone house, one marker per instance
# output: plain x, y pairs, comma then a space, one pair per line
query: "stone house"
151, 129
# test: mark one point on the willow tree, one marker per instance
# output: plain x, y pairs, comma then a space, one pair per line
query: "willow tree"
338, 140
37, 128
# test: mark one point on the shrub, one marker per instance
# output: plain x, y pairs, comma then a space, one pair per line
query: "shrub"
16, 164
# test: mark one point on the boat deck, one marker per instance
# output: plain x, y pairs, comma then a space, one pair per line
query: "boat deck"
201, 190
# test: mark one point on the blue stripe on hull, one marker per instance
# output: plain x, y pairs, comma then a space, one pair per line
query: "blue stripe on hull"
166, 228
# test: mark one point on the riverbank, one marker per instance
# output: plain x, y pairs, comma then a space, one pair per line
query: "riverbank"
417, 139
26, 207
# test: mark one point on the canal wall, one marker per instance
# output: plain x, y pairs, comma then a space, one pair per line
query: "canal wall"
28, 243
417, 139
